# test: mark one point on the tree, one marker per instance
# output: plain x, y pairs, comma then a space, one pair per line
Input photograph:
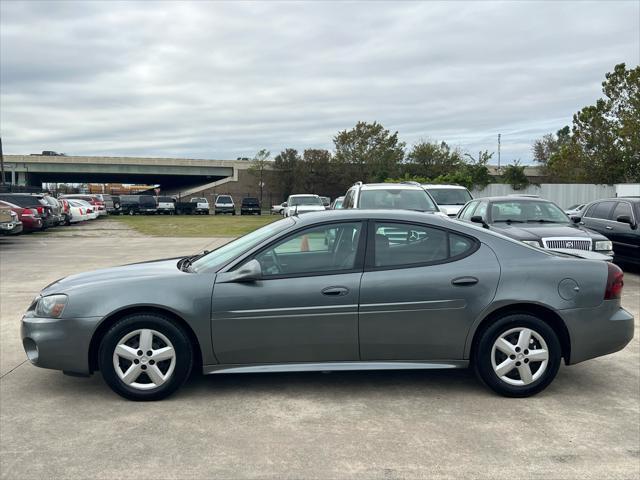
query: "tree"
258, 169
316, 171
286, 168
368, 152
433, 159
477, 169
514, 175
603, 145
608, 132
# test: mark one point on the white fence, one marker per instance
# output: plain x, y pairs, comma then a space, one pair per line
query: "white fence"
564, 194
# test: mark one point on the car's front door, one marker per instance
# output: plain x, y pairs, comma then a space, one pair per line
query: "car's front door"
305, 306
596, 217
422, 289
623, 235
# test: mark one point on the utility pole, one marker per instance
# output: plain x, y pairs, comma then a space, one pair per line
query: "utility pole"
498, 152
1, 162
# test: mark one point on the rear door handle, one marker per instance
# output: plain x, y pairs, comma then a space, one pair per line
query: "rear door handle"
464, 281
335, 291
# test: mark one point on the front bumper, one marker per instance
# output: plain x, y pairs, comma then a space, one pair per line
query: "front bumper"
58, 343
594, 332
11, 228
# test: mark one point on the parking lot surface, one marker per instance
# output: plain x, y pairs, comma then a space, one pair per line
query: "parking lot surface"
408, 424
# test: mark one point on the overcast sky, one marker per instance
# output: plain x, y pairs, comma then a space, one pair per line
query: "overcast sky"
222, 80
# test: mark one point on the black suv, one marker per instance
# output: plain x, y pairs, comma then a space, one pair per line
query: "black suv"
250, 206
617, 219
534, 221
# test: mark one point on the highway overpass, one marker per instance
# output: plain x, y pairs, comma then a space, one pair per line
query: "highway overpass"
172, 174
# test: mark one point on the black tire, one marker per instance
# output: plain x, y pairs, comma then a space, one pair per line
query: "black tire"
482, 361
165, 326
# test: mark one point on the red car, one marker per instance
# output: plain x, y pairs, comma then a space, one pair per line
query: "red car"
29, 217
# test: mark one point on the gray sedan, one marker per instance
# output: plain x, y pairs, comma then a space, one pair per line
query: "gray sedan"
341, 290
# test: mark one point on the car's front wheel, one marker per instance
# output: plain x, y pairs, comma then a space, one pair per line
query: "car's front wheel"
518, 355
145, 357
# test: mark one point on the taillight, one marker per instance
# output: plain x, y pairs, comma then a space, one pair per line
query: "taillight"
29, 212
614, 282
40, 210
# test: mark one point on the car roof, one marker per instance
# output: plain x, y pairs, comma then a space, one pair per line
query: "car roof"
365, 214
514, 197
440, 185
304, 195
381, 186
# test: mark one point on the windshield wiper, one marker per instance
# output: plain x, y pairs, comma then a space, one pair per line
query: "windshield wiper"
186, 262
508, 220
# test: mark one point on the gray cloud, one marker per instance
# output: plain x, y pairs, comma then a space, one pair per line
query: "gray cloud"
221, 80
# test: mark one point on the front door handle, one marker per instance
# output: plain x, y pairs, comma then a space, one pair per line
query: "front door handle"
464, 281
608, 227
335, 291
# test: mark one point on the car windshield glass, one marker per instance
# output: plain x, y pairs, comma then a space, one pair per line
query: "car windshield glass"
212, 261
310, 200
397, 198
527, 211
450, 196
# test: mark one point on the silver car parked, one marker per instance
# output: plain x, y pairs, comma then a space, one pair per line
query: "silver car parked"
342, 290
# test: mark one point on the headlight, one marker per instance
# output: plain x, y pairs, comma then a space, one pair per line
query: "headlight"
51, 306
604, 245
533, 243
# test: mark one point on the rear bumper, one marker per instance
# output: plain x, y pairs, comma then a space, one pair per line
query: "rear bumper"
596, 332
225, 209
59, 344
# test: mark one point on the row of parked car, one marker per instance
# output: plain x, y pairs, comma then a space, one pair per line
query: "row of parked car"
25, 212
602, 229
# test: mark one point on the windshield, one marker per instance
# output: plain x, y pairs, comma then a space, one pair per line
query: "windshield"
527, 212
310, 200
212, 261
450, 196
198, 200
397, 198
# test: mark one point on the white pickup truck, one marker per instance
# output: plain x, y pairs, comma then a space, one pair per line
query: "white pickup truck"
202, 205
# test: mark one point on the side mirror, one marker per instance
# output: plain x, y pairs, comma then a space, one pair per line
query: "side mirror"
284, 205
249, 272
627, 219
479, 219
575, 219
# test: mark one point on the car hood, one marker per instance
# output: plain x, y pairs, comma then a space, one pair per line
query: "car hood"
535, 231
450, 210
133, 271
308, 208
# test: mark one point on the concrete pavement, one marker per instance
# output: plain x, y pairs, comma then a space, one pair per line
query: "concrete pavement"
341, 425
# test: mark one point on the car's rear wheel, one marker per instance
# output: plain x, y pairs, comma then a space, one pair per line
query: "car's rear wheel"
145, 357
518, 355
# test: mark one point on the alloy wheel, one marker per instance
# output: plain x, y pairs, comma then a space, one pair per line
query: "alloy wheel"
144, 359
519, 356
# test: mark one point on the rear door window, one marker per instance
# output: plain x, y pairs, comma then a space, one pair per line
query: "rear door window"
403, 244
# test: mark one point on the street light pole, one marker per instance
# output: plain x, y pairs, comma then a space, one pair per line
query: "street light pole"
498, 152
1, 163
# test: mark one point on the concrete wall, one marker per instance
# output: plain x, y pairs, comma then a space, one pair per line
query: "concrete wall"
564, 194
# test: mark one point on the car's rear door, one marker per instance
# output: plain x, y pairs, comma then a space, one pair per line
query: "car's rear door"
305, 307
597, 216
421, 290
